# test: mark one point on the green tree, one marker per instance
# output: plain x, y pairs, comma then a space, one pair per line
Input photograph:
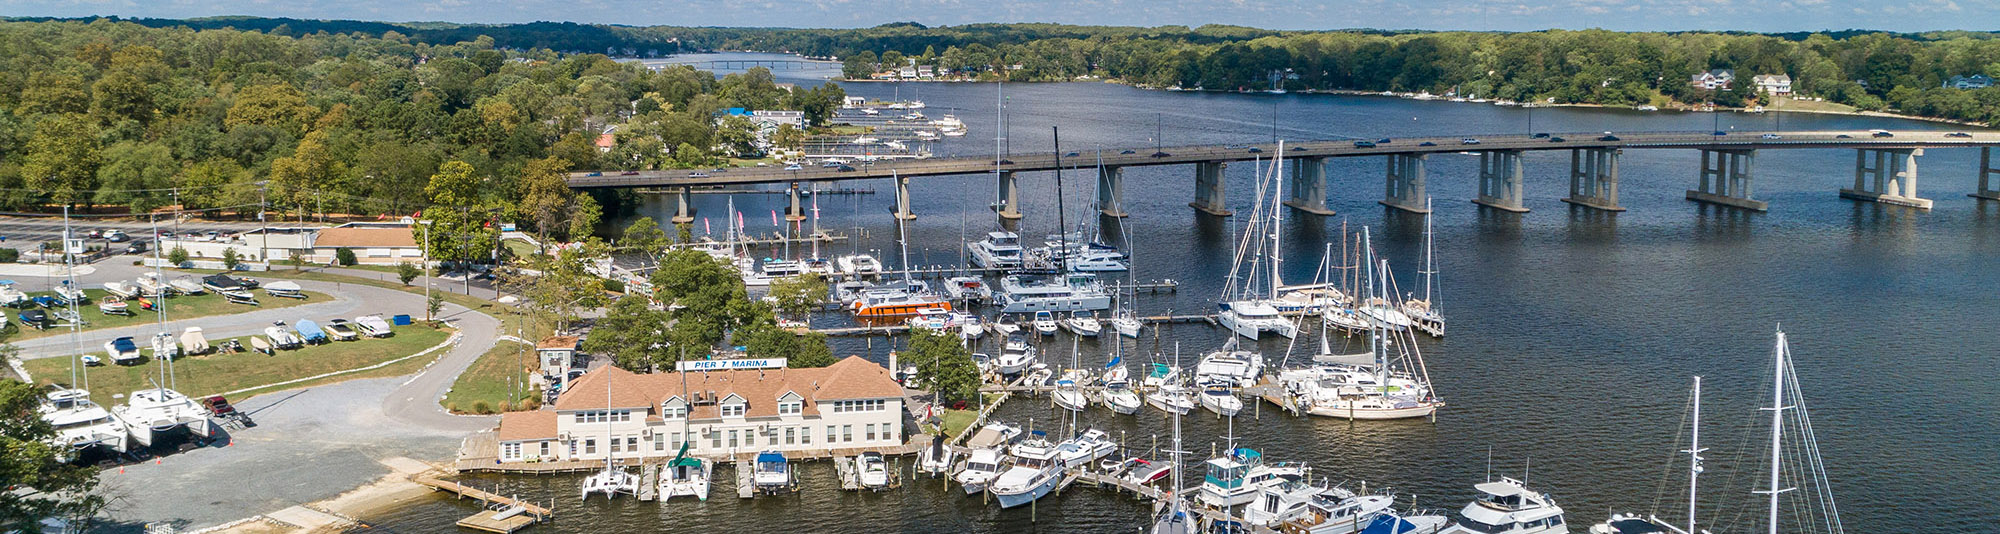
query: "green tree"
645, 236
136, 174
458, 213
405, 272
433, 305
279, 106
798, 295
561, 285
178, 256
943, 365
62, 158
763, 339
545, 196
231, 260
344, 257
705, 298
584, 217
634, 334
40, 483
738, 134
788, 138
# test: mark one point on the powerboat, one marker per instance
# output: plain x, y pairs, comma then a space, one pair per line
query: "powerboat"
1083, 323
967, 288
1005, 325
1229, 367
186, 286
1332, 513
149, 284
1159, 375
113, 305
980, 468
1000, 250
872, 470
859, 265
164, 347
1283, 502
1235, 478
150, 415
896, 302
969, 326
1068, 292
773, 474
1092, 261
123, 351
117, 288
1045, 323
1121, 399
285, 289
1080, 451
11, 297
936, 458
1251, 318
1068, 395
1172, 399
1034, 474
70, 293
1126, 324
1507, 506
81, 424
193, 342
1221, 401
1015, 357
281, 336
686, 476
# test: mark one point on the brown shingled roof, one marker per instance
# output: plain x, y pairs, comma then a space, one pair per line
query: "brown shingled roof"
850, 378
536, 424
365, 237
557, 342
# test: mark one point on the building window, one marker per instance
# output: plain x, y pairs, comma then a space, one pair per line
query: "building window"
732, 439
805, 435
677, 441
830, 435
774, 436
614, 444
659, 441
572, 448
511, 451
871, 432
733, 410
715, 439
847, 433
789, 408
673, 412
590, 446
545, 449
632, 443
791, 436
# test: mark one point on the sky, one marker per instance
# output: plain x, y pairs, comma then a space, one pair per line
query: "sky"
1501, 15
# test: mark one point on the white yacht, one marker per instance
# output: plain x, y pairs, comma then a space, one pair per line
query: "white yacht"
980, 468
1085, 448
1332, 513
1283, 502
1097, 262
1346, 319
1005, 325
772, 474
1126, 324
1172, 399
685, 477
1221, 401
859, 265
1069, 395
11, 297
150, 415
81, 424
1015, 357
1121, 399
1000, 250
1384, 314
872, 470
1160, 374
1424, 311
1045, 323
1235, 478
1083, 323
611, 482
967, 288
1229, 367
1034, 474
1252, 318
1064, 293
1507, 506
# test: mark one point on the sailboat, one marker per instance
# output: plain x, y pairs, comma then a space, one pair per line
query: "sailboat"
1064, 291
1396, 390
79, 423
1069, 389
1173, 516
152, 414
1251, 314
613, 480
1653, 524
1117, 393
1424, 312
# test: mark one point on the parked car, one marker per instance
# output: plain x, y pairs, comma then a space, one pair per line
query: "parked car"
1958, 134
115, 236
1127, 151
846, 168
1771, 136
697, 174
1720, 133
1364, 144
1468, 141
593, 174
137, 247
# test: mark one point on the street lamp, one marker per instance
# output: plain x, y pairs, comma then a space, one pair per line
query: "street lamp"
427, 268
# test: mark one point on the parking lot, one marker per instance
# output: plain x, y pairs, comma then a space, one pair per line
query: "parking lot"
26, 233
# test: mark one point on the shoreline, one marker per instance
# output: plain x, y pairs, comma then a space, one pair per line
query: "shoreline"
352, 508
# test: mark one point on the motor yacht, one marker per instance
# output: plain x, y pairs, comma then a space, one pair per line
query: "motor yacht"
980, 468
1083, 323
1045, 323
1507, 506
1229, 367
999, 250
1221, 401
1015, 357
1234, 479
1035, 473
773, 474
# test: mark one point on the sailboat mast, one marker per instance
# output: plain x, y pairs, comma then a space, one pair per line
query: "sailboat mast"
903, 240
1062, 241
165, 377
1777, 409
1277, 215
76, 319
1694, 456
1430, 265
1367, 253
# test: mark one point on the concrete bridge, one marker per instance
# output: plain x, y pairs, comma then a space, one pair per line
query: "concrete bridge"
746, 64
1885, 169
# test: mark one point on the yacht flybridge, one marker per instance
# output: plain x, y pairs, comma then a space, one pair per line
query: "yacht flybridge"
1507, 506
1000, 250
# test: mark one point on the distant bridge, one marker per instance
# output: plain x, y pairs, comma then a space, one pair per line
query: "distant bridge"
1885, 168
745, 64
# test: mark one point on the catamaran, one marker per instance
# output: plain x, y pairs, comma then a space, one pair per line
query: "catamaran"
613, 480
152, 414
81, 424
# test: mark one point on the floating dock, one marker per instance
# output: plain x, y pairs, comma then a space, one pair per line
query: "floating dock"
501, 514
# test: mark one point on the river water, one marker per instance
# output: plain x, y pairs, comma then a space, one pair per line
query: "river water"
1574, 333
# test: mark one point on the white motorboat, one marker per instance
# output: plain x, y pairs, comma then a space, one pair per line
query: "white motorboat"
872, 470
1171, 399
193, 342
859, 265
1035, 473
1085, 448
773, 474
1122, 400
150, 286
1015, 357
1235, 478
70, 293
686, 476
1069, 395
123, 351
152, 415
117, 288
1005, 325
11, 297
1126, 324
1160, 374
1252, 318
80, 424
1507, 506
113, 305
285, 289
1045, 323
1097, 262
283, 337
969, 326
936, 458
1000, 250
967, 288
1221, 401
980, 468
1229, 367
1069, 292
373, 326
1283, 502
186, 285
1330, 513
164, 347
1083, 323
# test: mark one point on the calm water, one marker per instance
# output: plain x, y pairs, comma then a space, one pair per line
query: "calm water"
1574, 334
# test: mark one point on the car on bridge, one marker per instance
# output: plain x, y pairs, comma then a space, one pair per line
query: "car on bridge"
1880, 133
1540, 136
1958, 134
845, 168
1771, 136
1382, 141
1468, 141
1427, 143
1364, 144
593, 174
1719, 133
1255, 150
1608, 137
1554, 139
697, 174
1298, 149
1127, 151
794, 167
629, 173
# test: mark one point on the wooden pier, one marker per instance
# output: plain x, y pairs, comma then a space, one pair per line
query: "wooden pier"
746, 479
649, 482
501, 513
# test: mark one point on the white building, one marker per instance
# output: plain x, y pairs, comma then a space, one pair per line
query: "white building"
850, 405
557, 355
1976, 81
1773, 84
770, 119
1714, 79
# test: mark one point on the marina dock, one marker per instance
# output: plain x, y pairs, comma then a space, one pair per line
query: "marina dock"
500, 513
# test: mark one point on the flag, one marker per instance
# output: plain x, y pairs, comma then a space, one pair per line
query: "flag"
704, 226
774, 218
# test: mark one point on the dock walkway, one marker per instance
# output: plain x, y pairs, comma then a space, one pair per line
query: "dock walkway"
501, 513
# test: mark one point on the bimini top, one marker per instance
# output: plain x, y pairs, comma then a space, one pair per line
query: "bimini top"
771, 457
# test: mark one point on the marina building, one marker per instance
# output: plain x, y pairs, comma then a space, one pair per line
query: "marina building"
851, 404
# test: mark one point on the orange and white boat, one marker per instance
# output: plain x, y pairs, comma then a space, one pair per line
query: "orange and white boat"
897, 302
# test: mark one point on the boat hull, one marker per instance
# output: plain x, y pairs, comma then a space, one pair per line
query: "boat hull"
1374, 414
1010, 500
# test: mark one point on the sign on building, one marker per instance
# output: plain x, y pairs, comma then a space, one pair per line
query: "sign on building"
726, 365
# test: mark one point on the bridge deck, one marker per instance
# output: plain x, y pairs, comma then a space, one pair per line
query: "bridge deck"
1086, 159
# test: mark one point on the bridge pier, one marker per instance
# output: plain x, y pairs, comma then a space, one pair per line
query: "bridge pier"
1309, 186
1500, 180
903, 199
1404, 187
795, 211
1891, 178
684, 205
1208, 188
1111, 191
1593, 178
1008, 205
1727, 179
1987, 172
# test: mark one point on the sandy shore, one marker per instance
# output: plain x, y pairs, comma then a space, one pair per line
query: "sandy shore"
390, 492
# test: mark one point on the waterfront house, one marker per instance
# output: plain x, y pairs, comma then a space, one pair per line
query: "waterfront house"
770, 119
852, 404
1713, 79
1773, 84
1976, 81
558, 355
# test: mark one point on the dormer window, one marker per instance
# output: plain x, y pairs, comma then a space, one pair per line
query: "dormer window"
790, 407
673, 412
733, 410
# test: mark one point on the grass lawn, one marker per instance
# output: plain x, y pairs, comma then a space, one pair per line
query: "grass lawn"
215, 373
483, 388
520, 248
956, 421
1787, 104
178, 308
